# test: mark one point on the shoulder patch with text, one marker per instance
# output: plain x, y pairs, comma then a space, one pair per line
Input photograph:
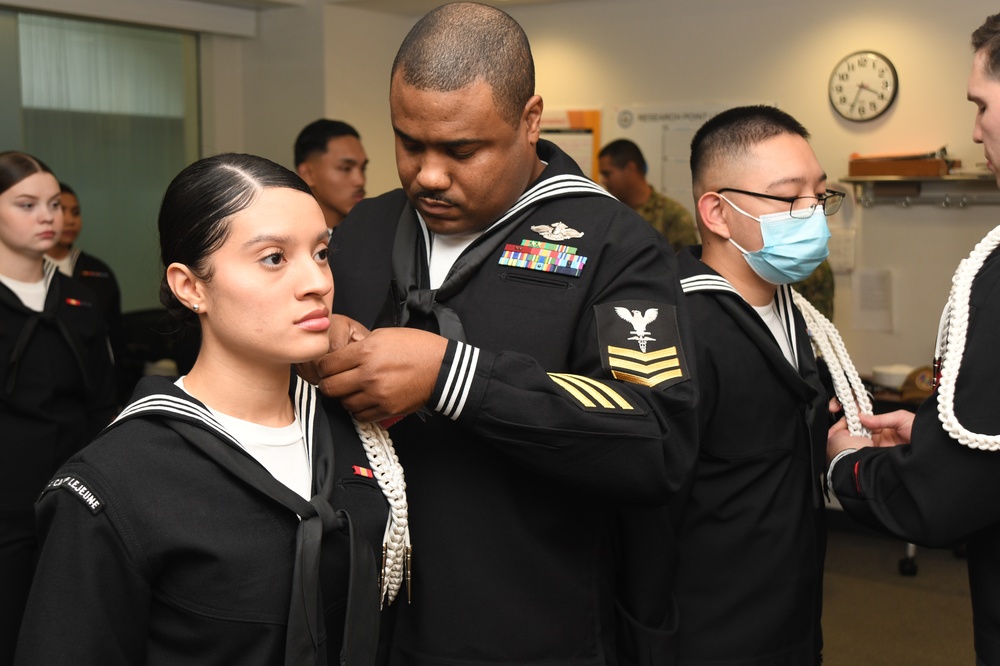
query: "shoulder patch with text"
77, 488
640, 343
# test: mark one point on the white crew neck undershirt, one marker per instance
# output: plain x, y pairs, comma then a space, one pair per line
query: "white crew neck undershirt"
32, 294
769, 314
282, 451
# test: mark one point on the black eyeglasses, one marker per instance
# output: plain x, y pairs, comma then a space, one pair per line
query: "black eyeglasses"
801, 207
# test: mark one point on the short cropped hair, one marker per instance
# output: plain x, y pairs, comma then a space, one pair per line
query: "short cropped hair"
986, 38
733, 133
623, 151
315, 137
460, 43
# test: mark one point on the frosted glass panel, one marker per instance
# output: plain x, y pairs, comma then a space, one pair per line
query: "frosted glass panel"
95, 67
113, 110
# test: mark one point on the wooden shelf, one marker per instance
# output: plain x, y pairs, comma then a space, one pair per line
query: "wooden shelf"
951, 191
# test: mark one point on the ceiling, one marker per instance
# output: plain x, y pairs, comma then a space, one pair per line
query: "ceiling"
402, 7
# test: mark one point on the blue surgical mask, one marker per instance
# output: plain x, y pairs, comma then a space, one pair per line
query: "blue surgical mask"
793, 247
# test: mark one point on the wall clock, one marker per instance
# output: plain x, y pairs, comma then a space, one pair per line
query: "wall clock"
863, 86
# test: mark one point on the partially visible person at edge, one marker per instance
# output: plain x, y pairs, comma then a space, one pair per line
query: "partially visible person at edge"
931, 478
56, 378
623, 173
228, 516
91, 271
535, 324
330, 158
752, 540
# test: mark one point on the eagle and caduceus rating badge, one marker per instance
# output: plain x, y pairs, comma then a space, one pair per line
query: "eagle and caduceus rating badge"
640, 343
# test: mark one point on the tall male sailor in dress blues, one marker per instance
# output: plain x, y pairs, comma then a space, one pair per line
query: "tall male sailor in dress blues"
493, 281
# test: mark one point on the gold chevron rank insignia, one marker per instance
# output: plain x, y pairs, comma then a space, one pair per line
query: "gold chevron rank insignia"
640, 343
592, 394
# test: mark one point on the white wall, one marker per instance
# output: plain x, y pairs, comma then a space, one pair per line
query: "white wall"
333, 60
596, 54
601, 55
360, 49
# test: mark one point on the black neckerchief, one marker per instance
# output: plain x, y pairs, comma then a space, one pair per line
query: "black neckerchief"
48, 315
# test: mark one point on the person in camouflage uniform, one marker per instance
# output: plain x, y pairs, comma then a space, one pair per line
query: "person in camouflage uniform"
623, 174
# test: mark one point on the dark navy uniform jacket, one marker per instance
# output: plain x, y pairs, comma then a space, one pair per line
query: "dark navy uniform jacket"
565, 395
165, 543
752, 539
56, 385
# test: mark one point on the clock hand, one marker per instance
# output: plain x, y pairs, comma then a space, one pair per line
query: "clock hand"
855, 100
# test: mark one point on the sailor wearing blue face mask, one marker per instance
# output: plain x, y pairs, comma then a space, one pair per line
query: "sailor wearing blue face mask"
795, 242
747, 539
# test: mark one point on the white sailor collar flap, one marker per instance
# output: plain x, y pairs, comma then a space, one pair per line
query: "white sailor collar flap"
640, 343
171, 402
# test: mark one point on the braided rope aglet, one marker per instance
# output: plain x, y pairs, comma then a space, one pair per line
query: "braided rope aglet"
847, 383
396, 549
951, 343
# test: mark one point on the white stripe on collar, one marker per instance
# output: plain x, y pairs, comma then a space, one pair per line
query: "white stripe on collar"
304, 403
707, 283
550, 188
782, 299
49, 270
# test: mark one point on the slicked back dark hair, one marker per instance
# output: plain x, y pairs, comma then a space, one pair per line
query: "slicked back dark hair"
15, 166
986, 38
733, 134
199, 205
458, 44
623, 151
315, 137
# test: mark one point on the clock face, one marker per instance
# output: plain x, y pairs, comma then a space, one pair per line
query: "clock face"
863, 86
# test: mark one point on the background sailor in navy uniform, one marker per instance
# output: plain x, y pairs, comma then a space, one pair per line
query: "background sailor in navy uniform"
752, 541
98, 276
204, 526
56, 382
541, 407
939, 488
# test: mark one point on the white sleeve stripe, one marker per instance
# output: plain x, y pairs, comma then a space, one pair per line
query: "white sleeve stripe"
459, 382
448, 381
467, 385
462, 361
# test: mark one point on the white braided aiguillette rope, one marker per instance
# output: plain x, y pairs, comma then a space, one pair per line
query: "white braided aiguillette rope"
951, 343
389, 475
847, 383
